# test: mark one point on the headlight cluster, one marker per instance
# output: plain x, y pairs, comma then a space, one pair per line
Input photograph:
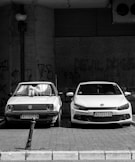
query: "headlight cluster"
9, 108
78, 107
123, 107
49, 107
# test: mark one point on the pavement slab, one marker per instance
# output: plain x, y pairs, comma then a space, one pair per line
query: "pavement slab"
66, 155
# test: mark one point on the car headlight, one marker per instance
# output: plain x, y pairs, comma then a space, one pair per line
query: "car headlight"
123, 107
78, 107
9, 108
49, 107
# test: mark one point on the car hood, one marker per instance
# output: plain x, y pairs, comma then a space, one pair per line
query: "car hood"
32, 100
101, 100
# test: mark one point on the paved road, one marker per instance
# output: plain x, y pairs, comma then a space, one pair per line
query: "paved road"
111, 137
79, 139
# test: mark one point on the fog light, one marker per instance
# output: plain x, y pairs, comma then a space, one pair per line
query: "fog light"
9, 108
125, 116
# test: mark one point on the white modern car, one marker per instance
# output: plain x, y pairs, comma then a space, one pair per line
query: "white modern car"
100, 102
34, 100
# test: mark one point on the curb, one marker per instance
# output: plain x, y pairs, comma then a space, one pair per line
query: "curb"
68, 155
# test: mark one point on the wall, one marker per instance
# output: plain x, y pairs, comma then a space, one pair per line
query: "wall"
39, 48
4, 55
89, 23
94, 48
38, 45
40, 59
95, 58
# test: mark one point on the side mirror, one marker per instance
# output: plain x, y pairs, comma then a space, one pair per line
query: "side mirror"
60, 93
69, 94
127, 93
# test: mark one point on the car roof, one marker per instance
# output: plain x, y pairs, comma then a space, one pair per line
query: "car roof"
36, 82
97, 82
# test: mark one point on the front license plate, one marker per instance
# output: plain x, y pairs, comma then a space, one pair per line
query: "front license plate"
103, 114
28, 116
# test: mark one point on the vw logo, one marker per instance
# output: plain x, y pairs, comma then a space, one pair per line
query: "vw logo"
30, 107
101, 104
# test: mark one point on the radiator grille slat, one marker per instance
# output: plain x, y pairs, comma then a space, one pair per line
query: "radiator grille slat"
30, 107
97, 108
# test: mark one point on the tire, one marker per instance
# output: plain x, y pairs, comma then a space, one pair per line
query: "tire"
7, 124
3, 123
58, 121
73, 125
125, 125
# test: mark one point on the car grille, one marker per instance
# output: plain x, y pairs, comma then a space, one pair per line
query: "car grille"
101, 119
30, 107
97, 108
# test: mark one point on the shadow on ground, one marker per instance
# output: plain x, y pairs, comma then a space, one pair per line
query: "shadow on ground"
65, 123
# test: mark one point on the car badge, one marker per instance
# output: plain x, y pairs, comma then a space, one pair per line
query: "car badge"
30, 107
101, 104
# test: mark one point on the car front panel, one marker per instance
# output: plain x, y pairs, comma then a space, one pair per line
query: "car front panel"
28, 112
100, 115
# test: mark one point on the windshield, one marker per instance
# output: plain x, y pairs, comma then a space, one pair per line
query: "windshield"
98, 89
34, 90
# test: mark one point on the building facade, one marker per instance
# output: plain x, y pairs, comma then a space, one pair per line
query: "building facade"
65, 46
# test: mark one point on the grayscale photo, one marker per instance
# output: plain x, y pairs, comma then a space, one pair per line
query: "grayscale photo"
67, 80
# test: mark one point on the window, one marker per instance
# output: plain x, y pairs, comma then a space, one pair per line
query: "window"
98, 89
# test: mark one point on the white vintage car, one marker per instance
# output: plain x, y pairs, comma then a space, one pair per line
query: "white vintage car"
98, 102
34, 100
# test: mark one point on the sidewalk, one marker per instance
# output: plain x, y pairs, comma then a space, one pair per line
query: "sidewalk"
121, 152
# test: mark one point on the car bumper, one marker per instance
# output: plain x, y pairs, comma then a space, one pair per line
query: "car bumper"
44, 116
83, 117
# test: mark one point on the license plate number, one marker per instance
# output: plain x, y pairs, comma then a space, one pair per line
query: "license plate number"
103, 114
27, 116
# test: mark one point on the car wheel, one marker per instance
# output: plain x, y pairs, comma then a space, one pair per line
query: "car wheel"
125, 125
7, 124
73, 125
58, 121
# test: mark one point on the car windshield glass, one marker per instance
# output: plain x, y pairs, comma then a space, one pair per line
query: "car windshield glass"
35, 90
98, 89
